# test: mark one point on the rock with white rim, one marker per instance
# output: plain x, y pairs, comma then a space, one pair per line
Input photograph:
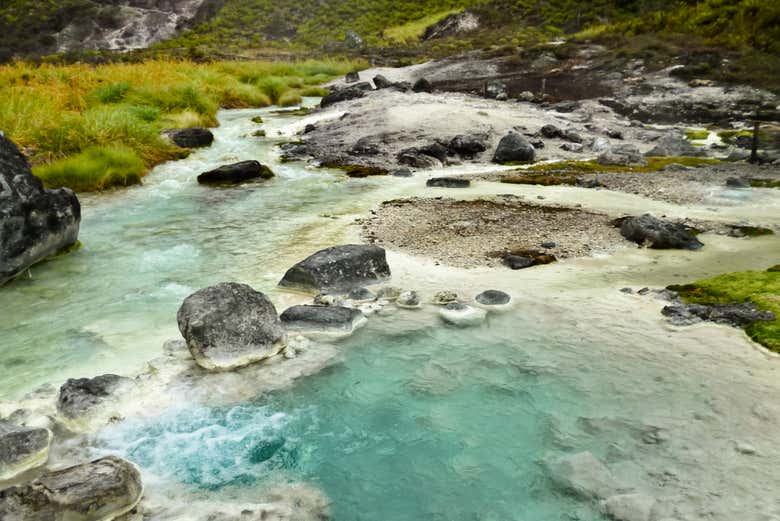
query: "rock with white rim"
408, 300
322, 320
84, 402
445, 297
462, 315
629, 507
230, 325
583, 475
103, 489
22, 449
494, 298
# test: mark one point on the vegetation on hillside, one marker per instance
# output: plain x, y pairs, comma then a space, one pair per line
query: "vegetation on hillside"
69, 120
759, 287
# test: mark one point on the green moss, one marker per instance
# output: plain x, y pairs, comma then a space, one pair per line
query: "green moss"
654, 164
540, 179
764, 183
96, 169
728, 136
258, 120
696, 134
357, 171
759, 287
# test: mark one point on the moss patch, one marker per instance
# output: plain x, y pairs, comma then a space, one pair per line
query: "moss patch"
759, 287
764, 183
540, 179
696, 134
358, 171
654, 164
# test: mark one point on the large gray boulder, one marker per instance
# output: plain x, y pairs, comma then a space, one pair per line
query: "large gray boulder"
621, 155
22, 448
85, 400
514, 148
195, 137
230, 325
658, 234
339, 269
100, 490
34, 222
322, 319
236, 173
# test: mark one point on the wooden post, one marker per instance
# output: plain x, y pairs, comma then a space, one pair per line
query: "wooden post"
754, 147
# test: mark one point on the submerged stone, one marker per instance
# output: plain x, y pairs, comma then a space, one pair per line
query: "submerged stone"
493, 297
35, 223
514, 148
100, 490
22, 448
230, 325
339, 268
84, 399
322, 319
658, 234
195, 137
462, 315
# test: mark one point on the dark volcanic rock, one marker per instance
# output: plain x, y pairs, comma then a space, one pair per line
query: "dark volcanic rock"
34, 222
102, 489
340, 268
358, 90
422, 85
236, 173
80, 396
658, 234
518, 262
468, 146
448, 182
493, 297
191, 137
21, 448
737, 315
514, 148
230, 325
327, 319
415, 159
352, 77
380, 82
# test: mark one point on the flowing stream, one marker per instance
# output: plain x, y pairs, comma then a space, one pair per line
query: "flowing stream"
414, 420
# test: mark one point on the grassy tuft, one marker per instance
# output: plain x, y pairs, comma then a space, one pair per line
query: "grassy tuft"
414, 30
759, 287
696, 134
545, 180
654, 164
95, 169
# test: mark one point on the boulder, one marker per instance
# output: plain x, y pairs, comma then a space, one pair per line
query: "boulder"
435, 150
339, 268
572, 135
583, 475
496, 90
352, 77
402, 86
422, 85
572, 147
658, 234
83, 399
22, 448
402, 172
518, 262
514, 148
451, 25
365, 146
322, 319
551, 132
230, 325
408, 300
737, 314
621, 155
236, 173
357, 90
417, 160
629, 507
34, 222
461, 315
195, 137
672, 145
448, 182
467, 146
493, 297
100, 490
381, 82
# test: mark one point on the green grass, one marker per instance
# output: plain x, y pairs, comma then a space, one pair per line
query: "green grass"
540, 179
764, 183
759, 287
97, 168
697, 134
60, 115
414, 30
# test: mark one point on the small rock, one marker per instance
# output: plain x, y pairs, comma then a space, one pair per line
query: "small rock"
402, 172
572, 135
467, 146
745, 448
322, 319
621, 155
409, 300
324, 299
22, 449
548, 245
658, 234
361, 295
448, 182
551, 132
380, 82
422, 85
737, 182
572, 147
526, 96
518, 262
236, 173
195, 137
514, 148
493, 297
627, 291
584, 475
389, 293
445, 297
673, 145
461, 315
352, 77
